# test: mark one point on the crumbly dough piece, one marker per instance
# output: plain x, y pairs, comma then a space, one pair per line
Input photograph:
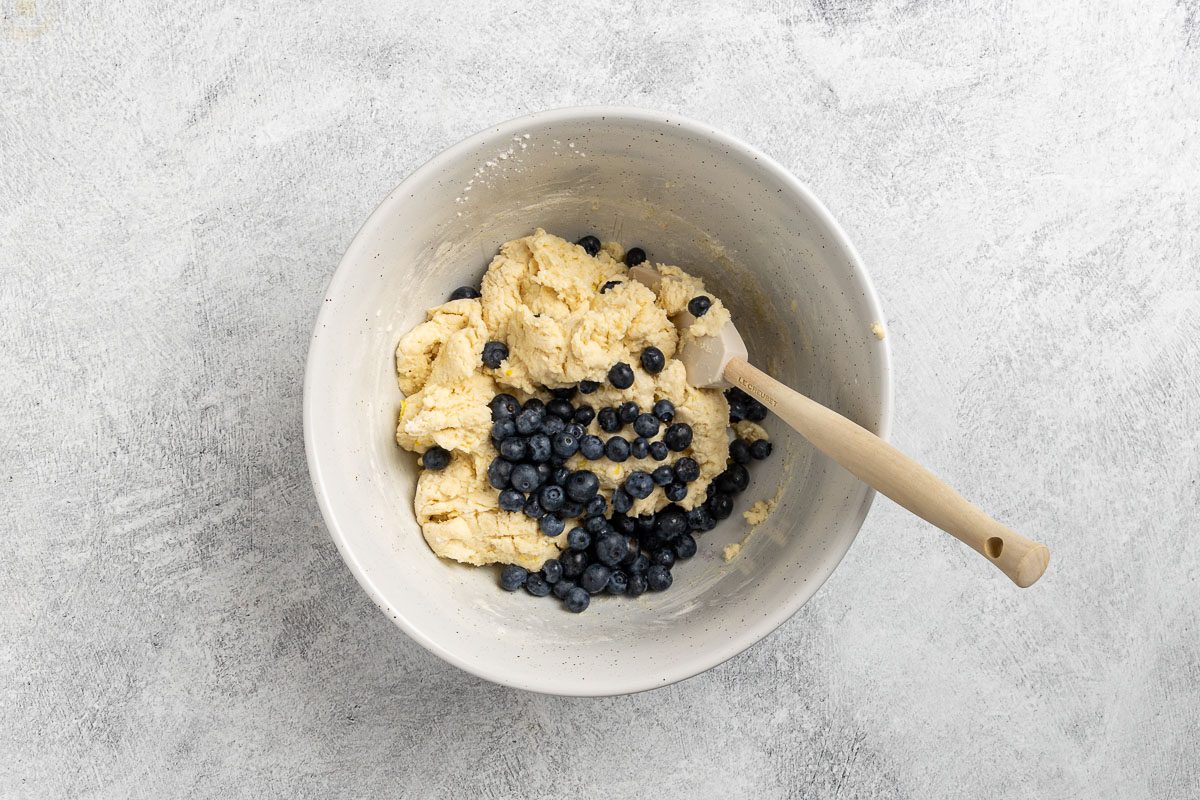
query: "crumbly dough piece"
758, 513
749, 431
755, 515
541, 296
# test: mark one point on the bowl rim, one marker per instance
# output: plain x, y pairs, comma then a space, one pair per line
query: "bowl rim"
701, 661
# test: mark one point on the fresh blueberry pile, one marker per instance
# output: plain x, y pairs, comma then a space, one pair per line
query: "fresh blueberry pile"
608, 551
534, 440
743, 406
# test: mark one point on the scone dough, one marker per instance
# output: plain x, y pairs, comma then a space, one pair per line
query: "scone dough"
541, 297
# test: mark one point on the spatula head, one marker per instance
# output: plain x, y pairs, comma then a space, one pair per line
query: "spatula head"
704, 357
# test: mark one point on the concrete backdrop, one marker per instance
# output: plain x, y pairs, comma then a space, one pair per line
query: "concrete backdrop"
177, 182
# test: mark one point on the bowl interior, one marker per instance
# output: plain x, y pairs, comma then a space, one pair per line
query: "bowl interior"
690, 197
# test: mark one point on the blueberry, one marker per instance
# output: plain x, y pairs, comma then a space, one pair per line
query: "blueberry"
637, 585
618, 582
622, 524
544, 471
699, 305
760, 449
632, 550
733, 480
551, 524
737, 412
436, 458
536, 585
513, 448
639, 447
590, 244
699, 519
735, 395
671, 522
610, 549
756, 411
739, 452
532, 508
658, 578
560, 408
551, 497
575, 429
553, 425
639, 565
503, 429
578, 539
646, 425
639, 485
685, 547
595, 578
574, 562
552, 570
587, 387
465, 293
676, 492
664, 410
511, 500
564, 445
621, 502
664, 557
594, 523
539, 448
562, 587
634, 256
591, 447
571, 509
663, 475
652, 360
620, 375
627, 412
652, 541
616, 449
678, 436
524, 478
608, 420
584, 415
513, 577
498, 473
645, 523
564, 392
608, 285
582, 486
577, 600
659, 450
494, 353
687, 470
530, 420
596, 506
504, 406
720, 506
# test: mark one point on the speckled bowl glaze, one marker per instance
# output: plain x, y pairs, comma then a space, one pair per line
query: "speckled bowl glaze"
690, 196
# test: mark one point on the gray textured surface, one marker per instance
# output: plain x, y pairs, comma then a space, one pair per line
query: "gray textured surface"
176, 186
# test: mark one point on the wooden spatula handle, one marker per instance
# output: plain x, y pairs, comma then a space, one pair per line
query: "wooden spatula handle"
894, 474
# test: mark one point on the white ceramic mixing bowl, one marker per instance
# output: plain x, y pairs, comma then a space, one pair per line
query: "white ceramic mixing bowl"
690, 196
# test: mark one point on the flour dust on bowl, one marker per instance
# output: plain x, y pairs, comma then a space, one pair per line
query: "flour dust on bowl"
691, 197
